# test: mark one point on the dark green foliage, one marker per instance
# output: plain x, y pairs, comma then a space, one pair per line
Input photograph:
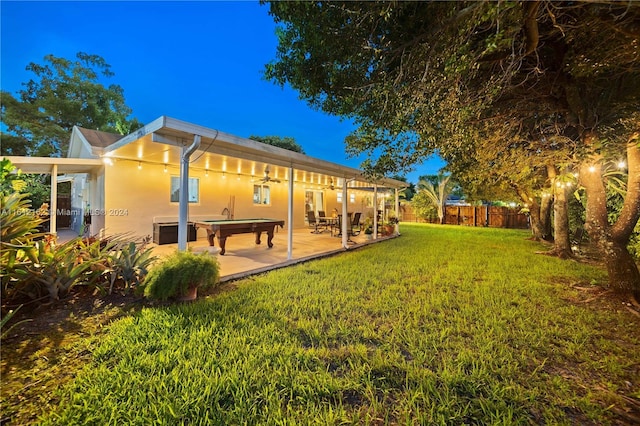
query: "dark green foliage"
179, 272
286, 142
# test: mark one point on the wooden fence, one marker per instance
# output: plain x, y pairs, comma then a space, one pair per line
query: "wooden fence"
491, 216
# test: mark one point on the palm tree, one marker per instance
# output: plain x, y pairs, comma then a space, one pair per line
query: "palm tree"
437, 189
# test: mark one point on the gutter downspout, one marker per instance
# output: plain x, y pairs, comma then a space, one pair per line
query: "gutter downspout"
183, 211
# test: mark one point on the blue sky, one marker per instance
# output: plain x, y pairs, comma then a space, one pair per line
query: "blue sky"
200, 62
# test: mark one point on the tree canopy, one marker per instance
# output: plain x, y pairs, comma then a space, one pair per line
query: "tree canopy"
513, 95
286, 142
63, 93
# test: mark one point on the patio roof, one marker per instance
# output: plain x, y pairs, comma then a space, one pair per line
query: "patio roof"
45, 165
160, 142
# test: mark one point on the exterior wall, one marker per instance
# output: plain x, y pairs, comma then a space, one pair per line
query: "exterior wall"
135, 198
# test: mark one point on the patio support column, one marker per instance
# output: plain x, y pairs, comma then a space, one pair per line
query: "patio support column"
53, 205
290, 217
397, 209
345, 217
375, 211
183, 209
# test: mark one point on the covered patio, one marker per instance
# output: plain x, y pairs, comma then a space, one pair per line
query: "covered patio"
244, 258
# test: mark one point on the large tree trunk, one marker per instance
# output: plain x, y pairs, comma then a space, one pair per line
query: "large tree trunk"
545, 217
536, 225
561, 244
534, 212
612, 241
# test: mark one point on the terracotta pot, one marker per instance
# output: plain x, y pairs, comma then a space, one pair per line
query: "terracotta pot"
189, 296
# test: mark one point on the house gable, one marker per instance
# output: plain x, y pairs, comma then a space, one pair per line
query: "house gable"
88, 143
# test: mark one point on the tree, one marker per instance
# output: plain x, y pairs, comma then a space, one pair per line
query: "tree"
286, 142
436, 189
63, 94
419, 76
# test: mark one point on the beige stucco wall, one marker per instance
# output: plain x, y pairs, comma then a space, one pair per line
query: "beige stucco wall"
135, 197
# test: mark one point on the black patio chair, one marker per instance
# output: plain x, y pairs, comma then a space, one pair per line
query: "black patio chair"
355, 224
313, 222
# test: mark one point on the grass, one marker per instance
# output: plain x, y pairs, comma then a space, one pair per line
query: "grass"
445, 325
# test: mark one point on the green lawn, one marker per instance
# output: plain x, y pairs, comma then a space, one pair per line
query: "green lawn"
444, 325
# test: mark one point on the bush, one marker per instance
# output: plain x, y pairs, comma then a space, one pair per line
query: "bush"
121, 264
179, 272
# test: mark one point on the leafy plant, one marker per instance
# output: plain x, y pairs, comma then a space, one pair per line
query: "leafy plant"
179, 272
6, 318
368, 226
18, 230
56, 268
129, 263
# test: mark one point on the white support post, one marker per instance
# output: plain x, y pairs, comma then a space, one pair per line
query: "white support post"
290, 217
345, 218
375, 211
53, 205
397, 225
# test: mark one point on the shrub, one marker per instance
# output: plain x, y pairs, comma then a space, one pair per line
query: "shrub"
121, 264
179, 272
55, 270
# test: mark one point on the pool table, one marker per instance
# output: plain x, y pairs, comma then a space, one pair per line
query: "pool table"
224, 228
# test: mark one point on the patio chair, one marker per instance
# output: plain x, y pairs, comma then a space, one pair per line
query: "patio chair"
349, 229
355, 224
322, 218
313, 222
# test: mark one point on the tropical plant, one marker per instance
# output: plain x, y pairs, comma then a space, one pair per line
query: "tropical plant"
179, 272
6, 318
436, 191
18, 230
55, 270
126, 262
368, 226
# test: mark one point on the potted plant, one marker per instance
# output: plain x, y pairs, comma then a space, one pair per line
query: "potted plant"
368, 228
180, 275
390, 227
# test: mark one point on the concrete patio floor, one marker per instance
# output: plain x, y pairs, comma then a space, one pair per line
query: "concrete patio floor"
243, 257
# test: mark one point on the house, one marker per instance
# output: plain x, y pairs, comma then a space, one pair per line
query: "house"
133, 183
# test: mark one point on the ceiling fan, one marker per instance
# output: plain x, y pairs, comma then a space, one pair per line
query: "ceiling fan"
266, 177
330, 186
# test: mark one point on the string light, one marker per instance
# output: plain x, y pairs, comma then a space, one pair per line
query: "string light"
622, 164
592, 169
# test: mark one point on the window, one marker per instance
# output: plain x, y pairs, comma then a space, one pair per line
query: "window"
261, 194
352, 198
339, 197
194, 187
